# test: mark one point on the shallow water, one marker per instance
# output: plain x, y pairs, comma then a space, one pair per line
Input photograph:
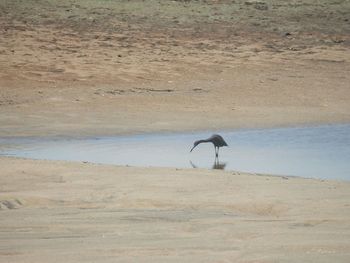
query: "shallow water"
316, 152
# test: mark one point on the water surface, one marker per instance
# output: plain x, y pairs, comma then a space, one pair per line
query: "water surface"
316, 152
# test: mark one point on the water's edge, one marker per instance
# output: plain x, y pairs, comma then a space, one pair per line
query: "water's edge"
321, 152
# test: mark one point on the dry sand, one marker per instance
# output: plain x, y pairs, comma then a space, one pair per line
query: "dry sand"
74, 212
77, 68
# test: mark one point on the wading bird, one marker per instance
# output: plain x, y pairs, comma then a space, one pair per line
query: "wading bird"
216, 139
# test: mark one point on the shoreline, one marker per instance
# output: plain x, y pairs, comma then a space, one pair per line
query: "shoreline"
232, 172
232, 159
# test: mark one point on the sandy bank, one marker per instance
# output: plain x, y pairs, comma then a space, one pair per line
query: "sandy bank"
74, 212
87, 68
248, 95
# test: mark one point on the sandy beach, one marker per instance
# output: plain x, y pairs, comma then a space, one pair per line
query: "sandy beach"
82, 68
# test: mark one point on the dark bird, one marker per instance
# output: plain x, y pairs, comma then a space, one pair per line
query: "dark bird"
216, 139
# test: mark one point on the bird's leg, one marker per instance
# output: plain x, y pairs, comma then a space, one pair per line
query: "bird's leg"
216, 151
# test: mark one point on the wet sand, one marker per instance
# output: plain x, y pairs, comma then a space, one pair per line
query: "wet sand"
78, 68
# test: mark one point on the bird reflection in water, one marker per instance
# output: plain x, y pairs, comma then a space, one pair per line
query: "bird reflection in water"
217, 164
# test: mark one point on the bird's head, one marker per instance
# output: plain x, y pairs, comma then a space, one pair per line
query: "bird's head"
195, 145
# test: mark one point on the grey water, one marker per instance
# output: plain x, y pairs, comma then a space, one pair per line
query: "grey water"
314, 152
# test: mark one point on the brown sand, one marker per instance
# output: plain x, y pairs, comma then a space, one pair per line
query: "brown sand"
79, 68
247, 95
102, 71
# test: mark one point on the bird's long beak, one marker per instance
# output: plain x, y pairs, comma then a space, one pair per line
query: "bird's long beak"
192, 148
